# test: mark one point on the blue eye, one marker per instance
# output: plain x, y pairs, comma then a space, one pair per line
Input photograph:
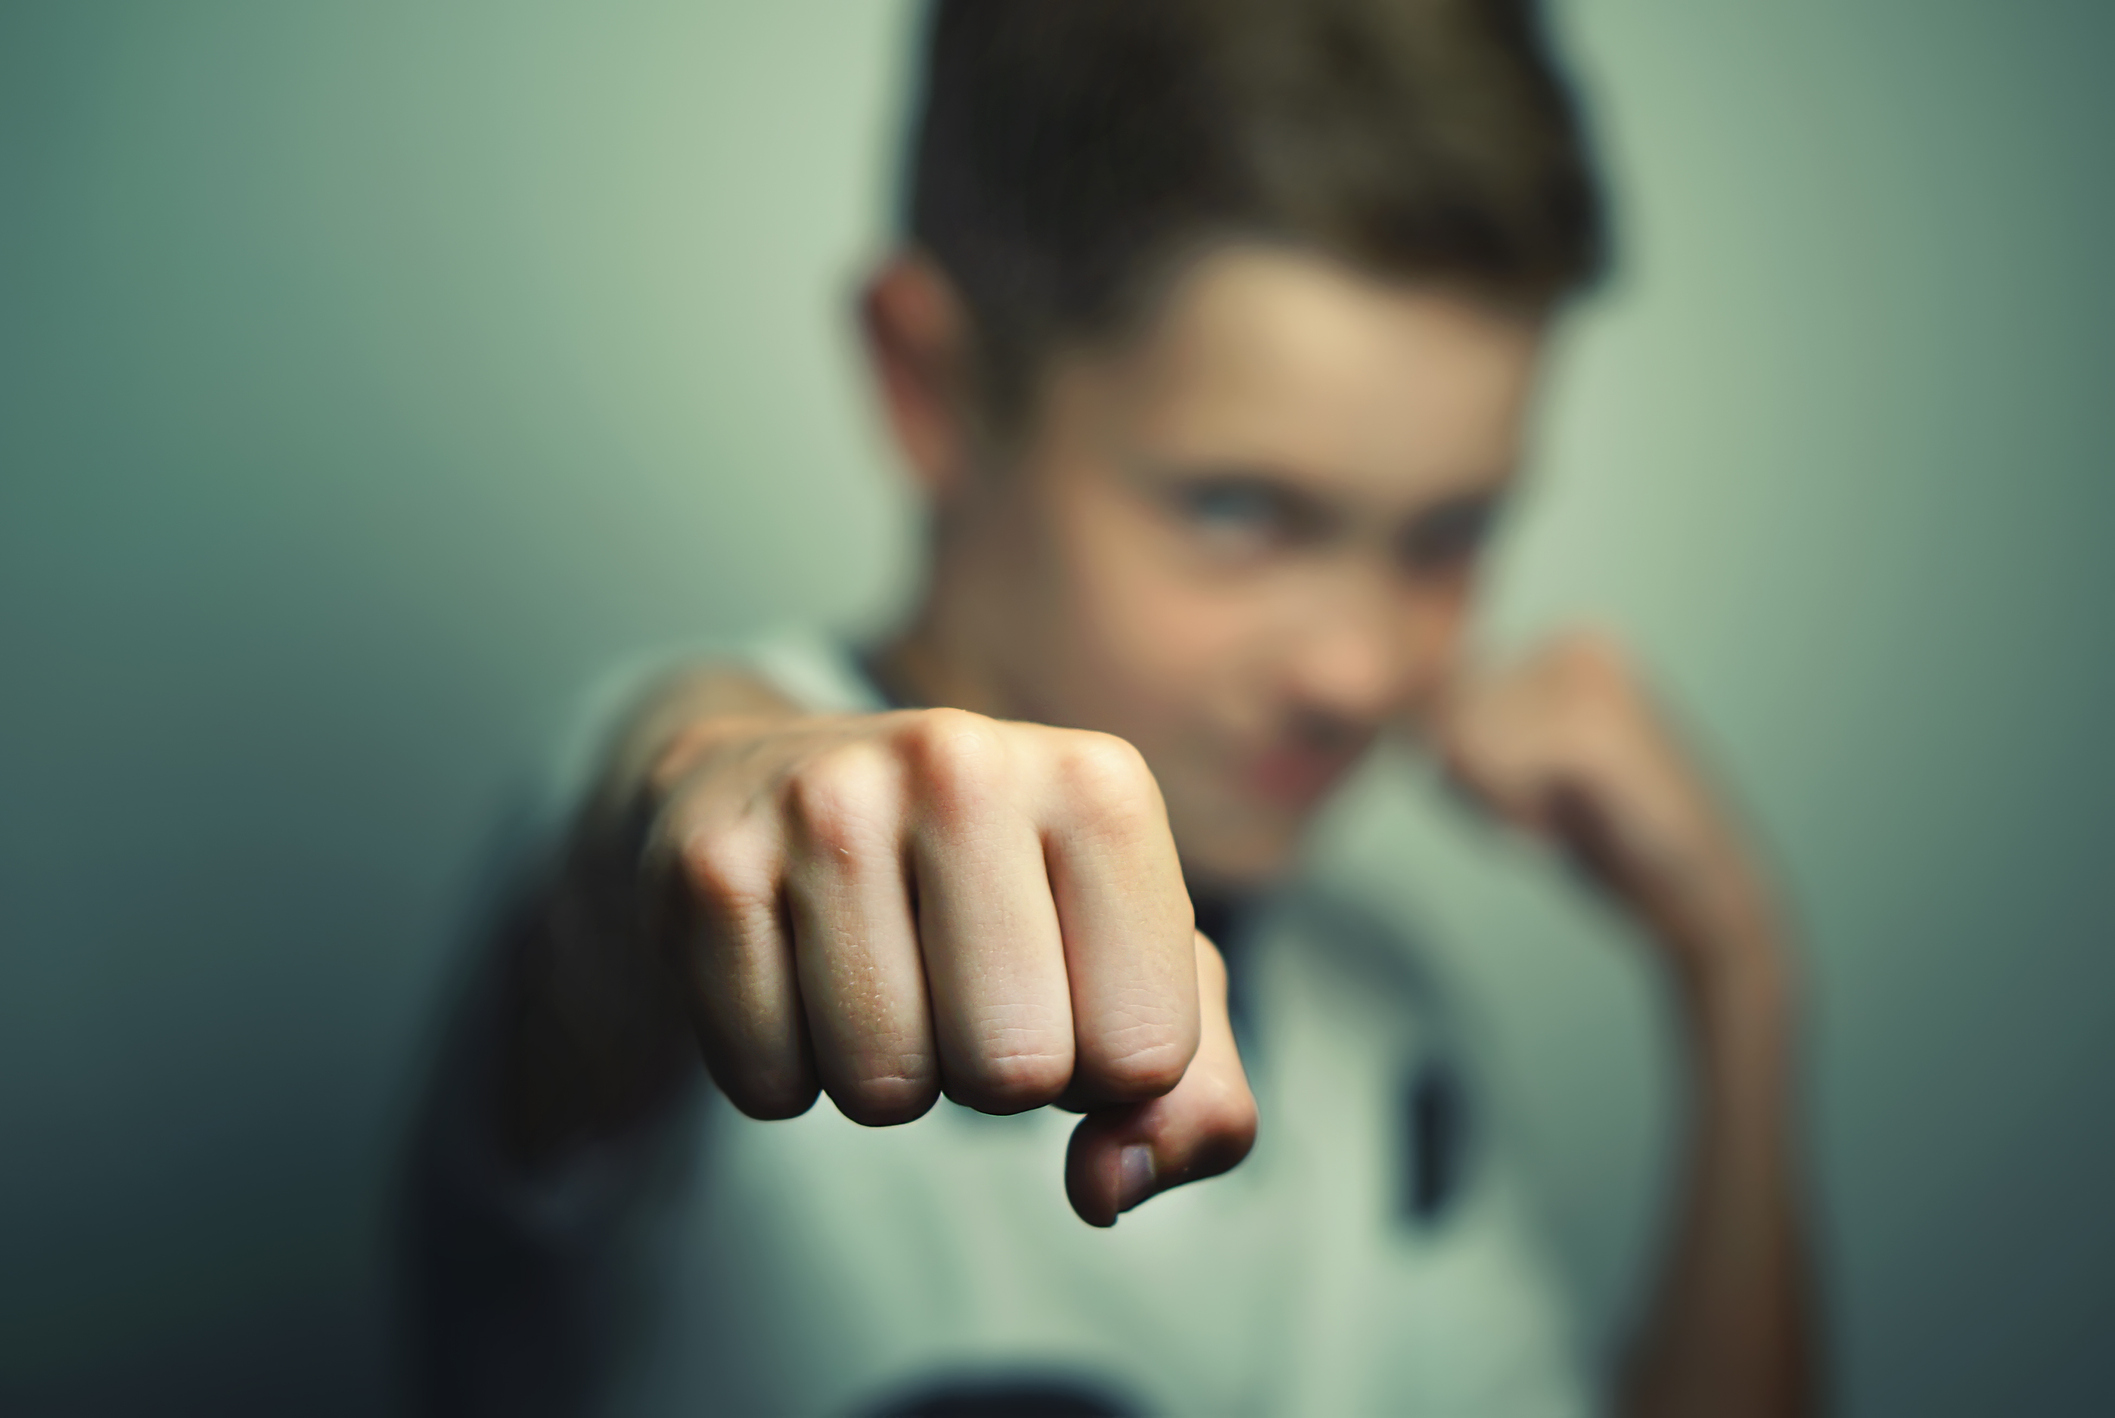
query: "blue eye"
1244, 514
1231, 507
1236, 508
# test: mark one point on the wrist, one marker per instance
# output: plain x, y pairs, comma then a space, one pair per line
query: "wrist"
1729, 954
1721, 927
1737, 1011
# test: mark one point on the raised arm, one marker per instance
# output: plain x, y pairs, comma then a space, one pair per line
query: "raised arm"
1568, 746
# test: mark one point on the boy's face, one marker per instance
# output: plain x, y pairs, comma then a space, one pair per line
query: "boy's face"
1246, 540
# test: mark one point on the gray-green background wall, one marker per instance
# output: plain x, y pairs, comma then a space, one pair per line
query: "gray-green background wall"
371, 374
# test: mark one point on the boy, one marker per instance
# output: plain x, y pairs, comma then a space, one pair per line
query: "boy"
1210, 342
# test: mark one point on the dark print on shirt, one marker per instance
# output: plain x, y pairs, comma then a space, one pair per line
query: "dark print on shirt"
1433, 1141
1025, 1396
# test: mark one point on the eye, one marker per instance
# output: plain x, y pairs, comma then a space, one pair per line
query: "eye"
1241, 514
1232, 506
1450, 535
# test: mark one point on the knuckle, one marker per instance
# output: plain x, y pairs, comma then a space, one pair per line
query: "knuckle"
726, 868
839, 800
764, 1093
1148, 1069
1013, 1081
677, 756
885, 1099
1105, 777
1596, 736
1144, 1053
1591, 656
1237, 1122
959, 758
772, 1105
1227, 1117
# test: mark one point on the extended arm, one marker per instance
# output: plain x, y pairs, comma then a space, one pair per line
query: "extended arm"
885, 908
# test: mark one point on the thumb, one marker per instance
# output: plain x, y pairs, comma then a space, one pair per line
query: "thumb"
1203, 1126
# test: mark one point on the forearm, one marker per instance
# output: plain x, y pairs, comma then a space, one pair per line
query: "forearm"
1730, 1329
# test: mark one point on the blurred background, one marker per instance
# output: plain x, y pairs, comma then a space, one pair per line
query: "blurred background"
373, 374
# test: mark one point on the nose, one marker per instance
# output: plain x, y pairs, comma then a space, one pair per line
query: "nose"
1374, 649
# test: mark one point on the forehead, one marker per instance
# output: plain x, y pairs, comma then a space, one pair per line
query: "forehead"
1292, 362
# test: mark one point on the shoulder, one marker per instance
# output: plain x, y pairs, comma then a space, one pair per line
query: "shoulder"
817, 671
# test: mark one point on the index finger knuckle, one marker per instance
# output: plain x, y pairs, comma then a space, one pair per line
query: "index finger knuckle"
1104, 773
727, 868
958, 758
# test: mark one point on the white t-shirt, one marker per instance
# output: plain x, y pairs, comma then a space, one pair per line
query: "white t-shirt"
1373, 1255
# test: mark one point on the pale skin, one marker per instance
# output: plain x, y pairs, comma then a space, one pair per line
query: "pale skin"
1219, 558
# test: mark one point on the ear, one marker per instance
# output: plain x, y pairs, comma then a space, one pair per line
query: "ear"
918, 344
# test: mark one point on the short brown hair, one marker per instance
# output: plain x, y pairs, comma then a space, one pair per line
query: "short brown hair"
1069, 153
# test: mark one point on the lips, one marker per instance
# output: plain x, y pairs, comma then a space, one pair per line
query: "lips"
1297, 778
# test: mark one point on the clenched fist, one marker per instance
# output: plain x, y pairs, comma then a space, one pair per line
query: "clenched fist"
890, 907
1568, 745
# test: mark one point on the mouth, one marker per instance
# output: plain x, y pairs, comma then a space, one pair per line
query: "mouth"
1296, 778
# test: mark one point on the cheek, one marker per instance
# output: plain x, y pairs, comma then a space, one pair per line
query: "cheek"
1175, 631
1156, 648
1175, 644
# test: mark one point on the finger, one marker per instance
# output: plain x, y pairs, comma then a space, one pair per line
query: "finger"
1429, 718
1120, 1156
855, 947
1126, 921
987, 928
738, 963
1448, 726
1492, 749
